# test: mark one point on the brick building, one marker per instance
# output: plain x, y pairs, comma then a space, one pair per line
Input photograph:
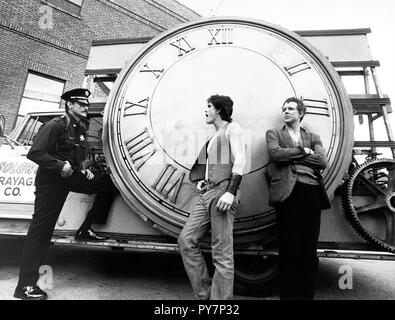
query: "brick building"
45, 44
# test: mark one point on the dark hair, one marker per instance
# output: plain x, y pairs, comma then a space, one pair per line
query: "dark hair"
223, 104
301, 107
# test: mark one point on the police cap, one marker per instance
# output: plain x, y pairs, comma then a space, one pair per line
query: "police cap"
80, 95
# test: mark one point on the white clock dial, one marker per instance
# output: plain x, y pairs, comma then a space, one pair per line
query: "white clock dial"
155, 122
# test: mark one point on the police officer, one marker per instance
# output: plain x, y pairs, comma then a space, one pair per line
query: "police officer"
59, 149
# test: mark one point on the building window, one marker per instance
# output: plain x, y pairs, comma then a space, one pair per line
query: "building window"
69, 6
42, 93
76, 2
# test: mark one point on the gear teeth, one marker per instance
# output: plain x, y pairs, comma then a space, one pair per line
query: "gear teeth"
349, 211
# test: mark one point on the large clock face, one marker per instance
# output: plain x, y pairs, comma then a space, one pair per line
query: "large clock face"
155, 121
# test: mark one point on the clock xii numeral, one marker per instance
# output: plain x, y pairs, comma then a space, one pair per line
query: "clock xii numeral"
221, 36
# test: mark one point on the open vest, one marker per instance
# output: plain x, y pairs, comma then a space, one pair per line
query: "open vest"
219, 158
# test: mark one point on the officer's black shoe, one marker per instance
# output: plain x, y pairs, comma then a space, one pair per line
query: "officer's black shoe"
30, 293
89, 235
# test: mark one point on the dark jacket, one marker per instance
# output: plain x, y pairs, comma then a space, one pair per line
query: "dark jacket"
58, 140
281, 172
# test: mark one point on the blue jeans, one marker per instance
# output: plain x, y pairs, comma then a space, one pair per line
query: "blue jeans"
204, 214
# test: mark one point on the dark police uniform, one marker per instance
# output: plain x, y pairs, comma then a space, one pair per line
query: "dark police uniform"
60, 139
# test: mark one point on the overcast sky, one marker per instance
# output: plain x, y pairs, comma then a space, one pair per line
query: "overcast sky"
378, 15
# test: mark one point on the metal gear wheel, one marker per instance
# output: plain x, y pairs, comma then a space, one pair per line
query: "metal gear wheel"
369, 202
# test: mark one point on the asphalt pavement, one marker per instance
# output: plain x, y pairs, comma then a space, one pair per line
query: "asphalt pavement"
91, 273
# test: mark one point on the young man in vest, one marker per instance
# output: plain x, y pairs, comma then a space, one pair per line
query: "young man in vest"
217, 176
59, 149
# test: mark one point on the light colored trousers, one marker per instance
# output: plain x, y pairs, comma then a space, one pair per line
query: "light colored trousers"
203, 216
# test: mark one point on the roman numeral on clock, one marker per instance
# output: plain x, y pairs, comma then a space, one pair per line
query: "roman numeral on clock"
140, 148
156, 72
297, 68
135, 108
169, 181
221, 36
182, 45
316, 107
